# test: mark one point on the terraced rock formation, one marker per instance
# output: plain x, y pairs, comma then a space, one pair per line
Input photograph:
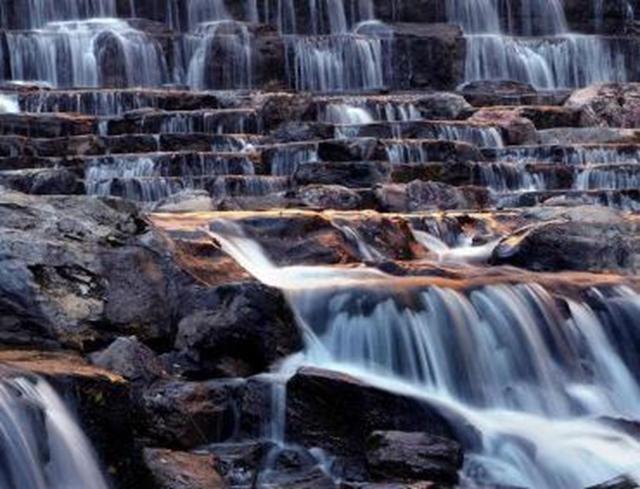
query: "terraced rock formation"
319, 243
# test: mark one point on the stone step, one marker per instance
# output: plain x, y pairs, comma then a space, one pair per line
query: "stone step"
223, 121
576, 154
15, 146
588, 135
501, 93
628, 200
113, 101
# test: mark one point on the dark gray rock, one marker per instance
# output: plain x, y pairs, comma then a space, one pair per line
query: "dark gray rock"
397, 456
131, 359
250, 329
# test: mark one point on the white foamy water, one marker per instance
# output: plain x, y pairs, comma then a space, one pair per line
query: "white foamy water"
537, 377
42, 446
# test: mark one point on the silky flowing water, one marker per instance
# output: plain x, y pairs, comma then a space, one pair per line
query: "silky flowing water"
540, 378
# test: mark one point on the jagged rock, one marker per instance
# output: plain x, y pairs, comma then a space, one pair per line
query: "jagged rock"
182, 470
338, 413
86, 276
395, 455
579, 240
280, 108
612, 105
490, 93
427, 55
250, 328
131, 359
179, 414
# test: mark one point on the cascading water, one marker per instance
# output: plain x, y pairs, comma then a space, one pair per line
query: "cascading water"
220, 40
31, 14
540, 376
41, 445
88, 53
561, 59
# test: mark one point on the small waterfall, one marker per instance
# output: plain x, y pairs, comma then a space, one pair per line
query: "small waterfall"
506, 177
9, 104
41, 444
598, 178
336, 63
148, 179
354, 112
559, 60
226, 40
201, 11
92, 53
537, 374
570, 155
343, 113
31, 14
556, 62
287, 159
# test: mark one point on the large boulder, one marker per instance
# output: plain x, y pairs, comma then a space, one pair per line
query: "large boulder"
338, 413
608, 105
582, 238
397, 456
79, 270
249, 329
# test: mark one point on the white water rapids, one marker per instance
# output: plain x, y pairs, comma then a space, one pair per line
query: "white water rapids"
539, 378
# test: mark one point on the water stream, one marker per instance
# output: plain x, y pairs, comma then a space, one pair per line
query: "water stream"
537, 374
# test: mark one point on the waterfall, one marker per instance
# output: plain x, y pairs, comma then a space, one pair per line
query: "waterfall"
88, 53
495, 50
336, 63
31, 14
41, 445
537, 374
226, 41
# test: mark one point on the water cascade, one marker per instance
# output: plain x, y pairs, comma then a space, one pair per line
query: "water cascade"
560, 59
536, 374
87, 53
42, 445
